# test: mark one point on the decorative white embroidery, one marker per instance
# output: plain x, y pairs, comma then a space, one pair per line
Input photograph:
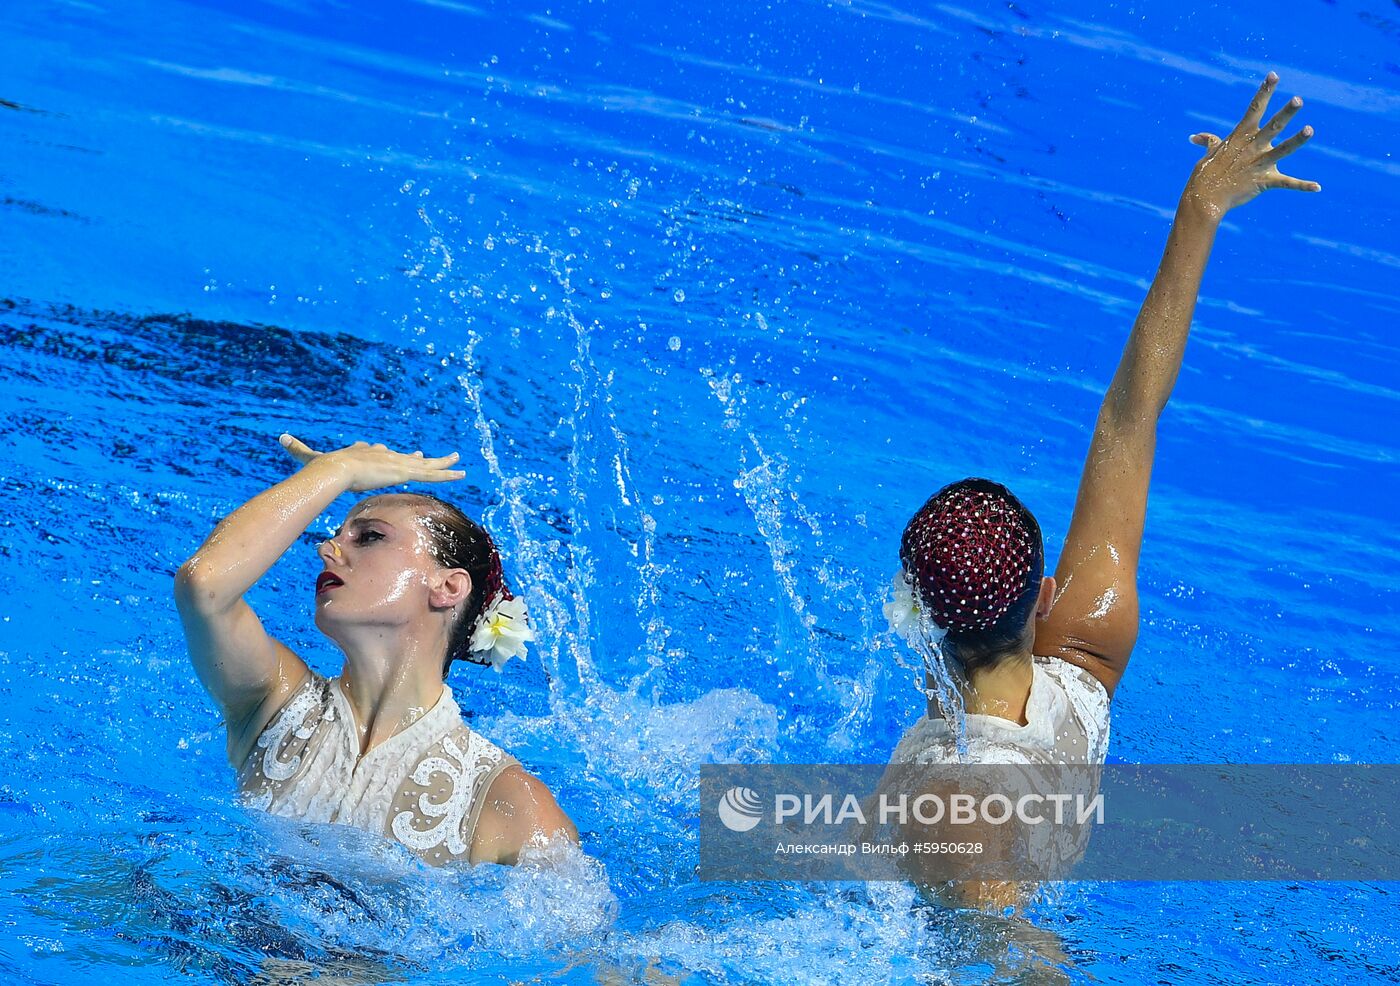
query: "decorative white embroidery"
293, 717
1089, 700
464, 770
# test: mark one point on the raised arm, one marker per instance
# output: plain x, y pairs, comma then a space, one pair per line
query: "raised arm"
1094, 620
249, 674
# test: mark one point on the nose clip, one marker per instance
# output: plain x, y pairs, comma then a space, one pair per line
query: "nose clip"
335, 548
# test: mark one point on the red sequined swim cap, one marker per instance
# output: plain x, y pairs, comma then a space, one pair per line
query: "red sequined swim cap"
973, 551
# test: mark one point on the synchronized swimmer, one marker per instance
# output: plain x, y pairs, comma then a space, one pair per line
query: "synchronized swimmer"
1034, 660
410, 584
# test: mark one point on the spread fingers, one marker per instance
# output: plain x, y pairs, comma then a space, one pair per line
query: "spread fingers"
1288, 146
1255, 113
1297, 184
1275, 126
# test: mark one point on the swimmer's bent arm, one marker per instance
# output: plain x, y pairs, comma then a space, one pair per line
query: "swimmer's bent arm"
1094, 621
249, 674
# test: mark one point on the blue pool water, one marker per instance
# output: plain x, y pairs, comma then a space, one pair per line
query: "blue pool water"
710, 298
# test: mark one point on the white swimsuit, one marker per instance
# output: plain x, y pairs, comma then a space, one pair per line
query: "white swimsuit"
1066, 727
1066, 723
424, 786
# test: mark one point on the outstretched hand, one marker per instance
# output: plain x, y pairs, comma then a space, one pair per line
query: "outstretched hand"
373, 467
1242, 165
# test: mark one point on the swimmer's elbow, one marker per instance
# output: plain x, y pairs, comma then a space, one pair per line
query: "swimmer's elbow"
186, 582
195, 590
1129, 411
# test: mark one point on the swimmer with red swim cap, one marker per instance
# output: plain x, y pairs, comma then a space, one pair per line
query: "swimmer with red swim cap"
1023, 666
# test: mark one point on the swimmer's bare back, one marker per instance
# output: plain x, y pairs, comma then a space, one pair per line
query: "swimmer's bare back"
1094, 620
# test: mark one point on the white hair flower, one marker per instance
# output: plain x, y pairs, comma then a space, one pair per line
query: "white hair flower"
910, 620
903, 610
502, 631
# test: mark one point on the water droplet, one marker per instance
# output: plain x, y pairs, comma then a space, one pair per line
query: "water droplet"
679, 295
673, 343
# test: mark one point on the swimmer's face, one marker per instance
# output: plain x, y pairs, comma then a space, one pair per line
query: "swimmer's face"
379, 568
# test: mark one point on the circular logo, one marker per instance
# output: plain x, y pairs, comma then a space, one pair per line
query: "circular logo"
740, 809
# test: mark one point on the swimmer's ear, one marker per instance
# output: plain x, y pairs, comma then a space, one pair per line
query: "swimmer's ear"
452, 588
1046, 601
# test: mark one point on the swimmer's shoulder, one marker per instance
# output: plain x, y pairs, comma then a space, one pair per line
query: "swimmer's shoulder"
518, 811
1075, 678
243, 735
1087, 697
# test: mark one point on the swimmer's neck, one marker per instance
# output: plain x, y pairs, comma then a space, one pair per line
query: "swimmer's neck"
392, 673
388, 698
1002, 691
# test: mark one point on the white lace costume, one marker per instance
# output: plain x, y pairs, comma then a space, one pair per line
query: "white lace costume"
424, 786
1067, 725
